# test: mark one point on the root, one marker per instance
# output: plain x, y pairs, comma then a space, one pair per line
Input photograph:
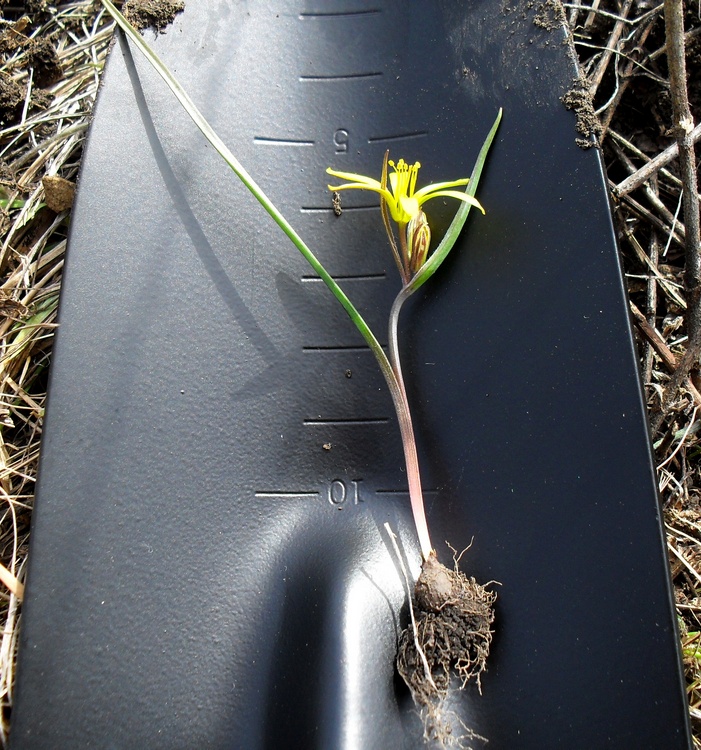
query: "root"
450, 633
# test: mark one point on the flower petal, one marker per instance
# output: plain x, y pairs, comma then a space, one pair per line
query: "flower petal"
355, 178
393, 180
441, 186
452, 194
363, 186
409, 208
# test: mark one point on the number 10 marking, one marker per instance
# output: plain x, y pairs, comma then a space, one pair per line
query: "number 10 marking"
338, 492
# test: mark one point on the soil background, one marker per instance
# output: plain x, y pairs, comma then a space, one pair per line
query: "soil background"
51, 58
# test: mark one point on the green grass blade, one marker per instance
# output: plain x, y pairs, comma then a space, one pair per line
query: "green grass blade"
446, 244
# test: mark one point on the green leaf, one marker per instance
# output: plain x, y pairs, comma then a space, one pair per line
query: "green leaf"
24, 331
8, 205
451, 235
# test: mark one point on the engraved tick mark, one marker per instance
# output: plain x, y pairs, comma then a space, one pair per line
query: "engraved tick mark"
332, 349
344, 77
340, 14
265, 141
341, 422
330, 209
350, 277
400, 137
281, 494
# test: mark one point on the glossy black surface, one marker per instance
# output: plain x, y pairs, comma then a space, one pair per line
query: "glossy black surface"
204, 572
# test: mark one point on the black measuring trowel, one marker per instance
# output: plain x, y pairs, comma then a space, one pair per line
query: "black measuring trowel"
209, 565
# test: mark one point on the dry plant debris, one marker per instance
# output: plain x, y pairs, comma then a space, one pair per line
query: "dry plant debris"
51, 58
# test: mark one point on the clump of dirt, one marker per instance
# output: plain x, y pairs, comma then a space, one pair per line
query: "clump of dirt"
11, 100
550, 15
58, 192
12, 97
7, 176
11, 37
37, 7
155, 14
336, 203
42, 57
450, 632
578, 99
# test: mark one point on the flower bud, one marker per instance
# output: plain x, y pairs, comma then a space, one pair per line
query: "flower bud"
418, 236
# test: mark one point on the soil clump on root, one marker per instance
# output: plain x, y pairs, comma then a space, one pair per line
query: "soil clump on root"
450, 632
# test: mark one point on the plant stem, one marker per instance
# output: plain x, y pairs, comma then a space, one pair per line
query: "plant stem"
407, 429
683, 125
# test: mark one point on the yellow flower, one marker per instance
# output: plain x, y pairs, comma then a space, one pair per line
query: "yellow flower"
400, 200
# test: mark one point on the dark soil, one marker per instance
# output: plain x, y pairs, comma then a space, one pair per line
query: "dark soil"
579, 99
550, 15
450, 634
12, 97
154, 14
38, 56
42, 58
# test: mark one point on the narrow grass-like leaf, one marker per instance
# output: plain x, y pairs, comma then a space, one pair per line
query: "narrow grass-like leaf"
451, 235
26, 328
7, 205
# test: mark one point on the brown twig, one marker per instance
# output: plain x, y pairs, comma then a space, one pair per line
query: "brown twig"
653, 166
676, 232
688, 361
683, 126
650, 194
651, 298
654, 338
626, 78
598, 75
664, 352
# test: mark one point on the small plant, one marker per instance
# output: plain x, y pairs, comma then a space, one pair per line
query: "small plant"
451, 614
